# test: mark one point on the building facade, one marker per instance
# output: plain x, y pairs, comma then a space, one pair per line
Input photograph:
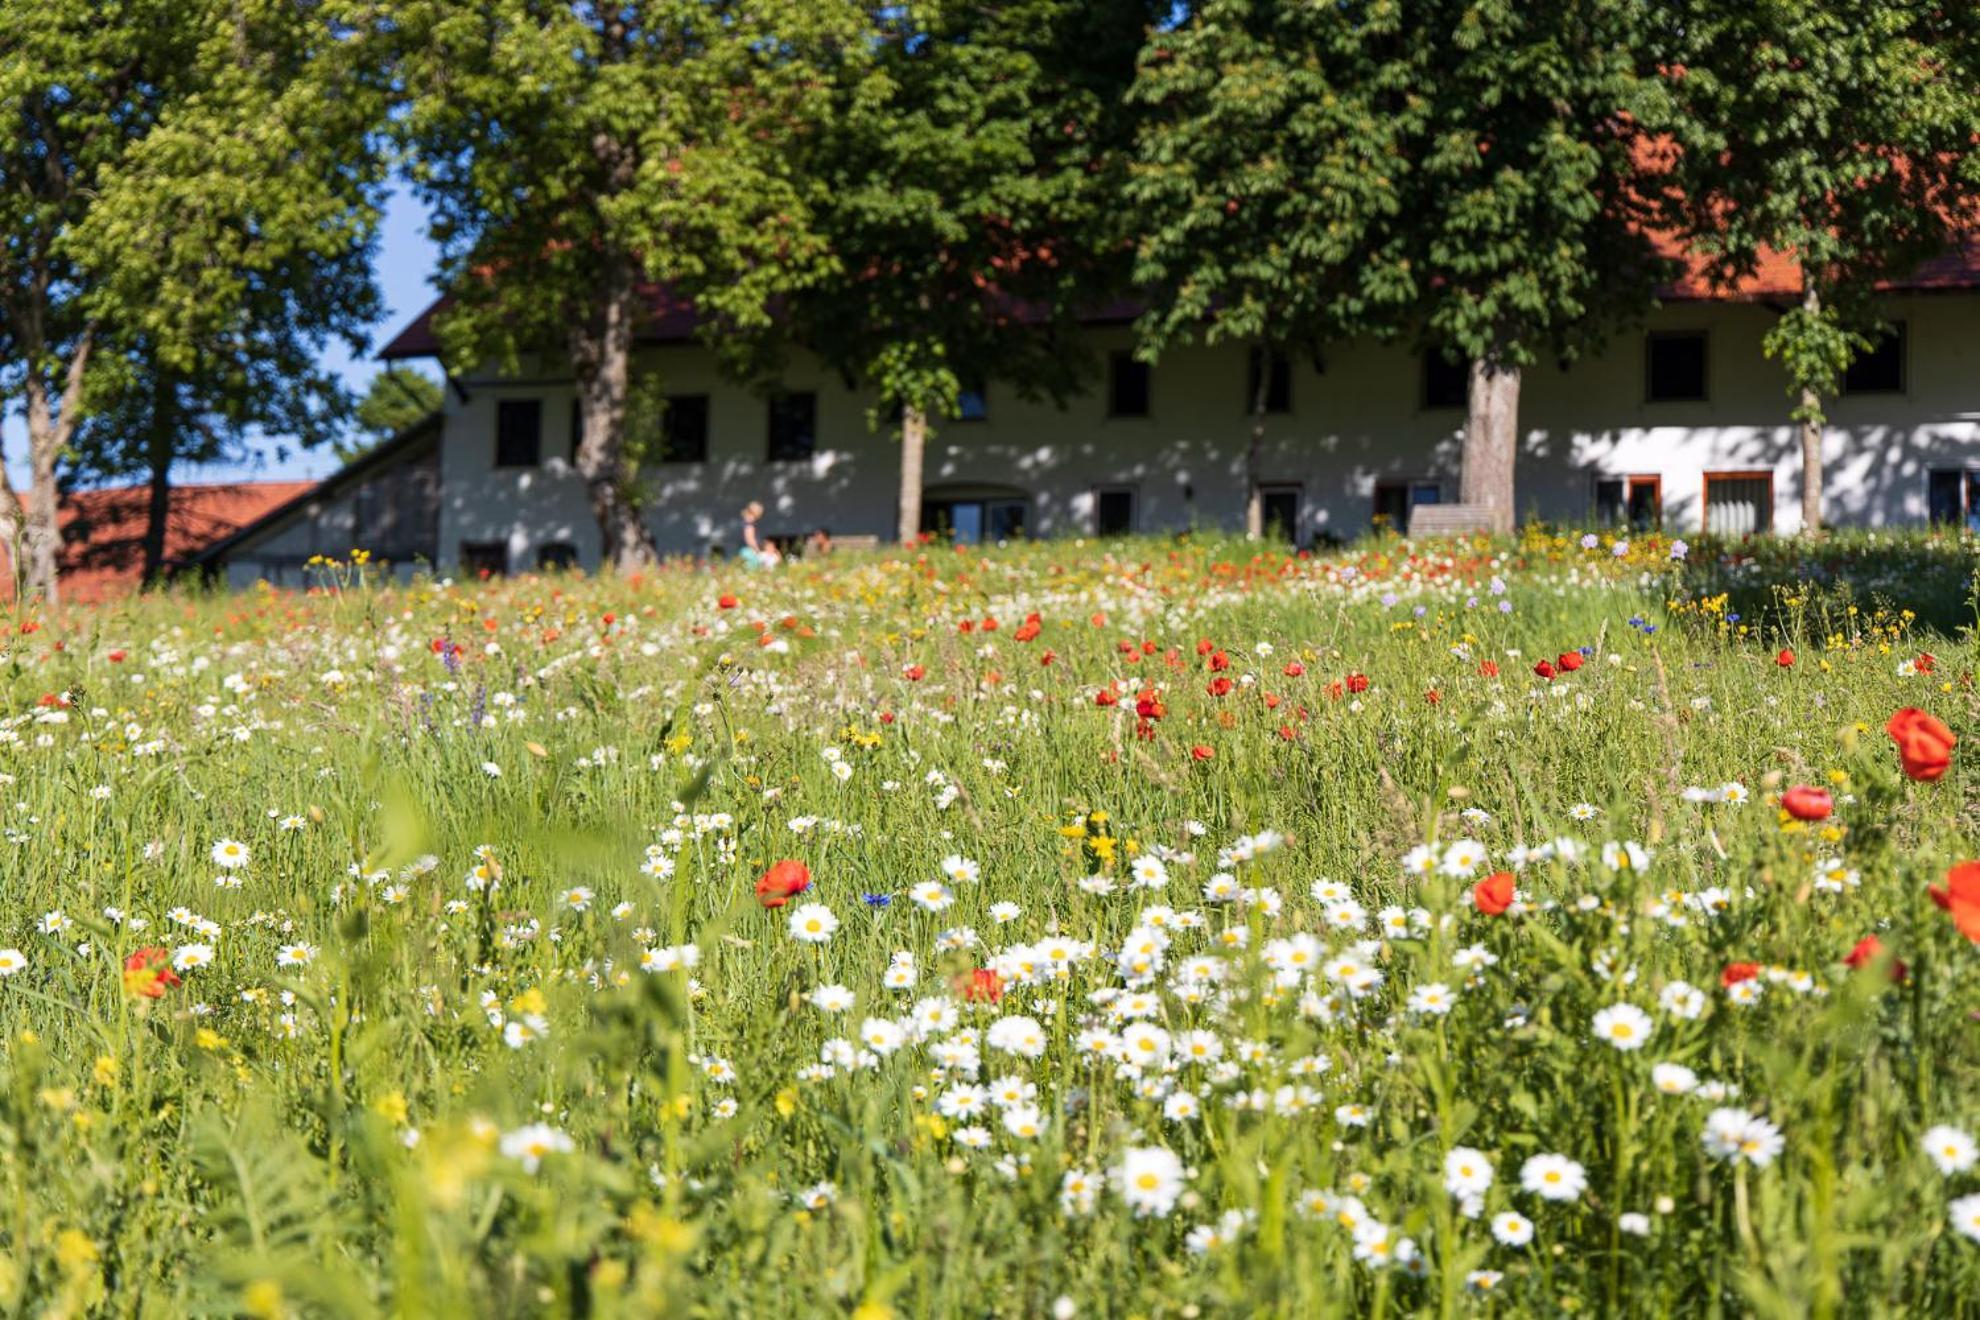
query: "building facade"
1683, 424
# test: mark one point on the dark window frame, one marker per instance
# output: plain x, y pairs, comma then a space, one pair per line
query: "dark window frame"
1897, 339
1278, 390
1116, 489
1652, 339
678, 410
773, 451
1729, 476
1297, 490
473, 556
1630, 483
1967, 479
556, 555
981, 412
505, 457
1432, 399
1122, 365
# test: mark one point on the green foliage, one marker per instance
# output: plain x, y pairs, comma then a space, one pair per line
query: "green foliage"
192, 204
569, 154
967, 181
1273, 155
1838, 134
396, 398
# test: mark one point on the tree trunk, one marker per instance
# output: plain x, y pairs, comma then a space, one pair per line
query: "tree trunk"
1254, 453
601, 354
1491, 441
1811, 438
914, 449
158, 505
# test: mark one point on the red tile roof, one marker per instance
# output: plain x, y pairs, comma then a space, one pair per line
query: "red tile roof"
103, 531
671, 319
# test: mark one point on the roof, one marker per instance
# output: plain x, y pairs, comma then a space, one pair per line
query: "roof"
103, 530
406, 444
671, 319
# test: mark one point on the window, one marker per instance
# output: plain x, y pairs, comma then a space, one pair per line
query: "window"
518, 432
1394, 500
556, 555
970, 521
1446, 382
1278, 390
684, 430
1127, 386
577, 429
480, 559
1881, 369
793, 427
972, 404
1952, 497
1739, 503
1633, 502
1281, 511
1113, 511
1674, 368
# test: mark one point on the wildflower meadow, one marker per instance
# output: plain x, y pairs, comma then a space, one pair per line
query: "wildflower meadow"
1142, 928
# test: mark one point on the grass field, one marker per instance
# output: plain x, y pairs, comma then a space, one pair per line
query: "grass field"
1152, 928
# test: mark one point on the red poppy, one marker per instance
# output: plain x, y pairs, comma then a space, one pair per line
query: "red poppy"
1149, 706
1568, 661
1221, 686
1219, 662
1201, 753
1545, 669
982, 986
116, 657
1029, 629
1737, 972
1923, 664
1105, 697
148, 973
1866, 952
1204, 646
1961, 897
1494, 894
1294, 669
1785, 659
1357, 682
783, 880
914, 673
1807, 802
726, 602
1488, 669
1924, 744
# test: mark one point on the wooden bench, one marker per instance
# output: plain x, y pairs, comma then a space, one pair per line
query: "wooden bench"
1449, 519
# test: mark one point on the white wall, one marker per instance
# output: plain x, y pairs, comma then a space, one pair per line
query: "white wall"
1357, 422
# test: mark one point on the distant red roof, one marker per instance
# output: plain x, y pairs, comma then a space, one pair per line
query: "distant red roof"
103, 531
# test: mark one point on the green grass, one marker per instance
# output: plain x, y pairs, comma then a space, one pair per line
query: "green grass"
344, 1136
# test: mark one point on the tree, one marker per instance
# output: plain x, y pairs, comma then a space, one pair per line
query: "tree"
193, 219
572, 154
968, 175
1840, 134
1268, 177
1530, 196
78, 89
396, 398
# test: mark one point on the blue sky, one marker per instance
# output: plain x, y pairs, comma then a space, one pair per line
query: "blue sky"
406, 262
